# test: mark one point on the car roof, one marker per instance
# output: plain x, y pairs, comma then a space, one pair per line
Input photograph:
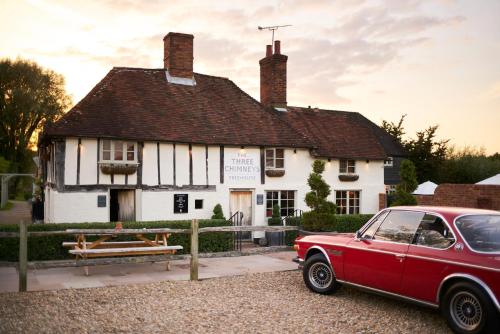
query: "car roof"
446, 210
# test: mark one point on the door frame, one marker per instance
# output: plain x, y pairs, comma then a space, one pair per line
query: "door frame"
122, 188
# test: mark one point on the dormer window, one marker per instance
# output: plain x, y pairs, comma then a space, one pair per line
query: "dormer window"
275, 158
347, 166
118, 151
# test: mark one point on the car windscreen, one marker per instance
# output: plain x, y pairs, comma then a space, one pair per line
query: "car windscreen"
482, 232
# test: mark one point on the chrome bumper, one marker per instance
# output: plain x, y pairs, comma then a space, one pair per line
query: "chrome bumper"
299, 261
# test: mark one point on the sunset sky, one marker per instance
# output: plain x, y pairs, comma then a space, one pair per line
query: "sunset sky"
436, 61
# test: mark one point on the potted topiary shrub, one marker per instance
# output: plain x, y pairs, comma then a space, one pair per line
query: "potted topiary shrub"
274, 238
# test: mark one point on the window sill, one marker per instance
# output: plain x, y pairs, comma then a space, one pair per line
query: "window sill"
118, 168
348, 177
275, 172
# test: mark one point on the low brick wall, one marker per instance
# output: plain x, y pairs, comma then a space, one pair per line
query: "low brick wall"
463, 195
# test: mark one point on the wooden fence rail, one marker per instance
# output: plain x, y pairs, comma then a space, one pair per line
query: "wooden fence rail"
194, 231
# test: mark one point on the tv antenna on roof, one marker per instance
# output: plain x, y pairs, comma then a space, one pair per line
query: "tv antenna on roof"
273, 28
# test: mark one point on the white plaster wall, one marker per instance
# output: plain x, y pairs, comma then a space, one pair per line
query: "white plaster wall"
370, 182
70, 161
150, 164
78, 207
159, 205
199, 165
213, 165
88, 161
166, 164
182, 164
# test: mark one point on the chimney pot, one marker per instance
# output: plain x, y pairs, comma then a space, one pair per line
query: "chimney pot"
269, 50
277, 47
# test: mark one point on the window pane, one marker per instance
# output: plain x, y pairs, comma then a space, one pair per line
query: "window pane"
130, 147
482, 232
269, 163
280, 163
130, 156
432, 232
280, 153
106, 155
106, 145
118, 146
370, 231
269, 154
343, 166
284, 194
399, 226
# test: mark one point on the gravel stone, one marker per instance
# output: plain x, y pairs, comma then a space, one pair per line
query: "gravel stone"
275, 302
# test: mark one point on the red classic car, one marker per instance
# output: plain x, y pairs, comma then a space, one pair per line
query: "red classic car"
436, 256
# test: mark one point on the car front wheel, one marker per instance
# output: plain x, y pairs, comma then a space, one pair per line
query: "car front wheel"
469, 310
319, 276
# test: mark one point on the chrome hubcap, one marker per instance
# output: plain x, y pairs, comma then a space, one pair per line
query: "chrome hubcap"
320, 275
466, 310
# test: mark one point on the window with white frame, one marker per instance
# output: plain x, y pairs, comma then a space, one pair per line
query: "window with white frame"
275, 158
390, 189
284, 198
347, 201
347, 166
389, 162
118, 151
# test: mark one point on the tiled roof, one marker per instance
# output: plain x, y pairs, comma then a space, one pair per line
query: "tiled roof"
338, 134
139, 104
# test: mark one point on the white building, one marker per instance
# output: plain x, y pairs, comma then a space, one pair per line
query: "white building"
165, 144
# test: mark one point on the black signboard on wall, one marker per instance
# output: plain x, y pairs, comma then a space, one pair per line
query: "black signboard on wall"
260, 199
101, 201
181, 203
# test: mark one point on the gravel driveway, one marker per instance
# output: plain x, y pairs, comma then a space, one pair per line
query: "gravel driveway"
262, 303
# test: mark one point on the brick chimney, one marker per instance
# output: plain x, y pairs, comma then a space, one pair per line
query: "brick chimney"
178, 54
273, 77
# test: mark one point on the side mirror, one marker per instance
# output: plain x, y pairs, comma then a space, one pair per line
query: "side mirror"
358, 235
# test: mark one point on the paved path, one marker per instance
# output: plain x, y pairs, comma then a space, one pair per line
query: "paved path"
20, 210
121, 274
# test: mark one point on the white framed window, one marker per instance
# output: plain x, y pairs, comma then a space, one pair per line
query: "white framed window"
284, 198
389, 162
275, 158
347, 166
347, 201
118, 151
390, 189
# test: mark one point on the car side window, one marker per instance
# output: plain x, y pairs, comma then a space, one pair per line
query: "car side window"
399, 226
370, 231
433, 232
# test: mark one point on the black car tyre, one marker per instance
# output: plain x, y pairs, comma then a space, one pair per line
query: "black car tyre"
319, 276
469, 310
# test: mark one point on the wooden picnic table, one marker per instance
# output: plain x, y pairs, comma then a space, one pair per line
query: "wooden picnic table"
103, 247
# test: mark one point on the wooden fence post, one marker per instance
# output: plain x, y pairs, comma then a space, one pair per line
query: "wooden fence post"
23, 255
194, 250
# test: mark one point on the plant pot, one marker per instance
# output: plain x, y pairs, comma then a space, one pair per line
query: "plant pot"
275, 238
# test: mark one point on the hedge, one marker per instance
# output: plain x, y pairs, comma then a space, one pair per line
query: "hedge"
290, 236
333, 223
50, 247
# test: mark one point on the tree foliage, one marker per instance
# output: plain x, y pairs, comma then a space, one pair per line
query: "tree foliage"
437, 161
218, 213
407, 185
30, 96
316, 199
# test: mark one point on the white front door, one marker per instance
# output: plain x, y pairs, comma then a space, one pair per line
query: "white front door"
241, 201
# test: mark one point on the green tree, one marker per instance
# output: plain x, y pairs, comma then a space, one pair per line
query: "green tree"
316, 199
30, 96
425, 151
407, 185
218, 214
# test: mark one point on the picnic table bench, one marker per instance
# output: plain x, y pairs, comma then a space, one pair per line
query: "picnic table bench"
101, 247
